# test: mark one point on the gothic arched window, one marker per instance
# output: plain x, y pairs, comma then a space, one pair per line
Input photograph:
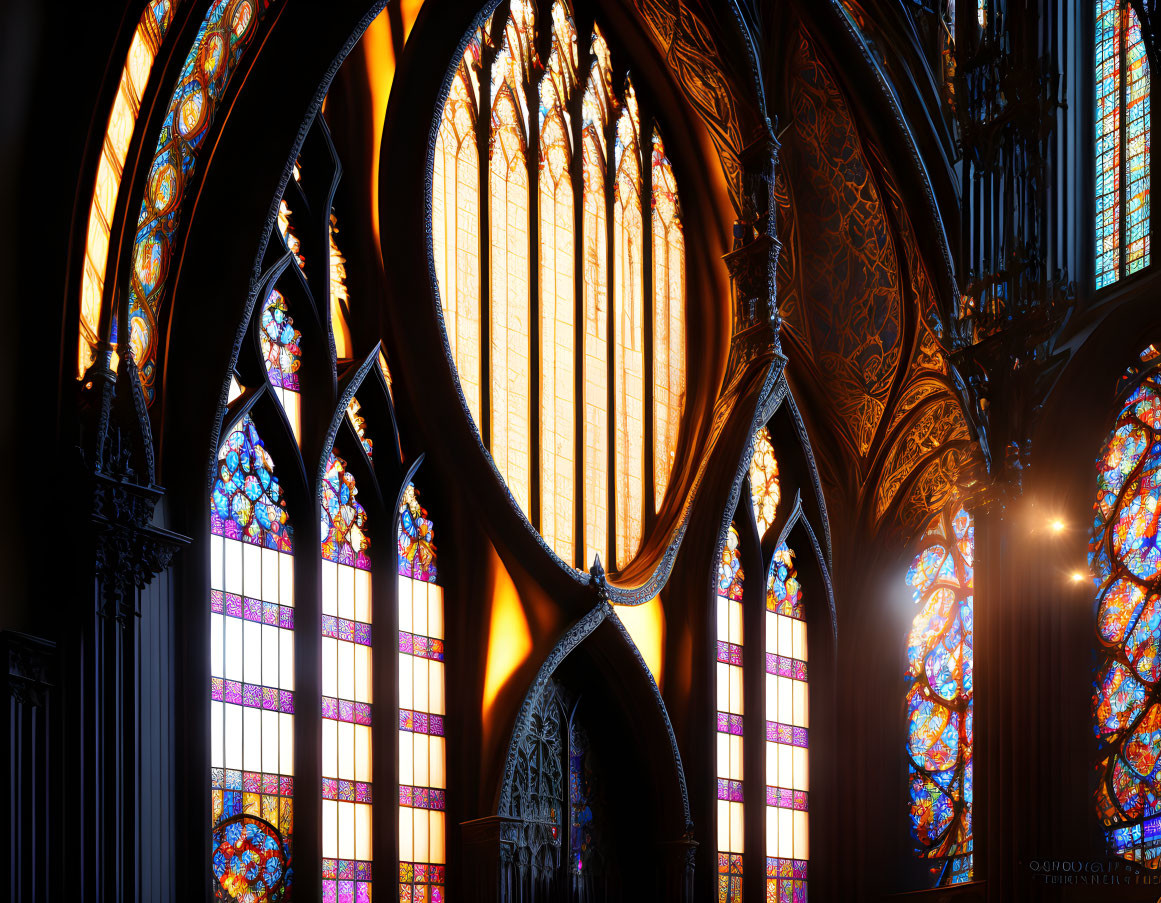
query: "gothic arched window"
1122, 143
1126, 568
940, 694
781, 728
580, 286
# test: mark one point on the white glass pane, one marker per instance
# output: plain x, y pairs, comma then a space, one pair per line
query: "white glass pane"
422, 753
435, 611
406, 697
436, 851
269, 575
330, 748
233, 735
270, 655
232, 658
362, 734
420, 683
405, 604
362, 672
286, 659
362, 831
330, 664
217, 728
252, 652
232, 550
330, 829
346, 751
406, 749
270, 745
286, 579
362, 596
217, 645
346, 591
286, 738
252, 570
438, 757
406, 833
435, 698
217, 577
346, 830
252, 739
346, 668
330, 582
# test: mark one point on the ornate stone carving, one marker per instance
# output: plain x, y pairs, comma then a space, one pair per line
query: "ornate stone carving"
128, 550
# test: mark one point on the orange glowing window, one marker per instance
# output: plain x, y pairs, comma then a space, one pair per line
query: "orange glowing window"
582, 299
147, 38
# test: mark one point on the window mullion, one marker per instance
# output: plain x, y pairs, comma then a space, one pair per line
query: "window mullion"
532, 161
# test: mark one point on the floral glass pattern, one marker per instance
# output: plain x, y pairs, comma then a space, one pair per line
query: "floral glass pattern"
422, 751
249, 863
346, 690
226, 33
595, 380
729, 718
282, 353
939, 698
251, 662
1125, 560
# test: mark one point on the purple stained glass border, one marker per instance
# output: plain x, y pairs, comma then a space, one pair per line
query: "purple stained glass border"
422, 797
250, 609
785, 798
420, 646
346, 791
421, 722
729, 723
729, 790
346, 710
729, 653
255, 696
783, 666
776, 732
349, 631
785, 868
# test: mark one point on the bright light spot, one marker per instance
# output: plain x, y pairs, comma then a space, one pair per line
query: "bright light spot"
510, 639
1057, 525
646, 625
1077, 577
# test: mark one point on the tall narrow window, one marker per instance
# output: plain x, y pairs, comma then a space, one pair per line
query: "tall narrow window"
1122, 143
628, 334
729, 717
786, 731
251, 665
668, 318
557, 293
587, 282
283, 355
939, 698
456, 229
422, 756
594, 163
1126, 568
511, 350
346, 689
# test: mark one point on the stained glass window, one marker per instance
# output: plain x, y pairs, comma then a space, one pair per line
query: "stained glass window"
251, 653
939, 697
1122, 143
147, 38
1126, 568
224, 36
422, 754
283, 355
346, 689
786, 732
729, 719
586, 401
764, 488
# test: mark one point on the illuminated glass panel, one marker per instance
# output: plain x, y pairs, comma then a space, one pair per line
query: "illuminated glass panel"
224, 36
509, 318
251, 638
282, 353
557, 308
1137, 127
1125, 560
787, 716
339, 298
587, 408
289, 237
346, 690
629, 335
456, 232
1121, 143
147, 38
422, 753
764, 489
729, 719
668, 319
939, 697
595, 388
359, 422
